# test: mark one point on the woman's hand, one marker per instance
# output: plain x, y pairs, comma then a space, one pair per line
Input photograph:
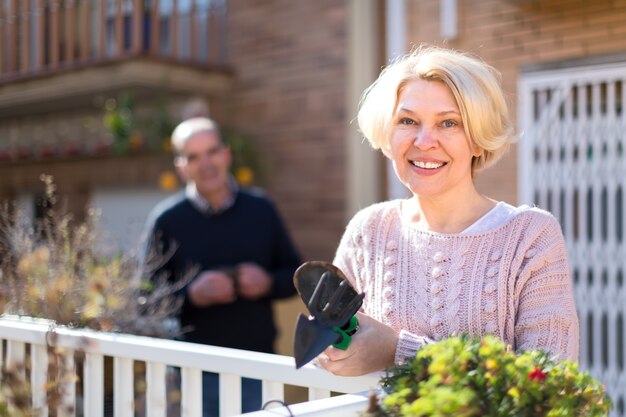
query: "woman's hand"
372, 349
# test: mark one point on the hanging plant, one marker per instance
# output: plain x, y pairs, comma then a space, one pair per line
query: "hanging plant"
132, 132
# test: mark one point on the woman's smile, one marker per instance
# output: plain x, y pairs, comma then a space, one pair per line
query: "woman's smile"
430, 150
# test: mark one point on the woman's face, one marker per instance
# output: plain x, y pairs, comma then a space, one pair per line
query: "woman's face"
430, 152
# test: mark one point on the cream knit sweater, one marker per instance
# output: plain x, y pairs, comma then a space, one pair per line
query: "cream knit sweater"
512, 281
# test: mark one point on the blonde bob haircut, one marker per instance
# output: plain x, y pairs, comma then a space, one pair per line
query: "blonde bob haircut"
474, 84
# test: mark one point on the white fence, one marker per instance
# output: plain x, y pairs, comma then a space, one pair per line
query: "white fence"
26, 338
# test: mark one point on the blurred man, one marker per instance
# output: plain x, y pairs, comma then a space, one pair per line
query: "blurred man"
234, 243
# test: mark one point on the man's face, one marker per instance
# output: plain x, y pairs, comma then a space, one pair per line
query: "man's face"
205, 161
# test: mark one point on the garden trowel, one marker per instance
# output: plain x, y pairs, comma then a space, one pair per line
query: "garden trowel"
332, 305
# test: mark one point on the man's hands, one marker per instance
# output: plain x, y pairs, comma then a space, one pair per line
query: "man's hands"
217, 287
252, 281
212, 287
372, 349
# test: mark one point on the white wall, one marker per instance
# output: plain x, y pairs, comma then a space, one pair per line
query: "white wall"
123, 216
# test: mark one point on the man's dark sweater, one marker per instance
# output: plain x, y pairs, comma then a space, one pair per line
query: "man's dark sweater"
251, 230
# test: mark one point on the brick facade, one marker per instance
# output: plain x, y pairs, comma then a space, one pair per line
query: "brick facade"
290, 63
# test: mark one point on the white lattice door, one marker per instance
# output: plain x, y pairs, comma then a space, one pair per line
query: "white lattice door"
573, 163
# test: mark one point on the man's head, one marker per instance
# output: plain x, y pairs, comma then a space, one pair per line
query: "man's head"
202, 157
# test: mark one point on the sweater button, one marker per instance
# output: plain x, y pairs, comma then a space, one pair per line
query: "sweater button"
436, 288
490, 288
387, 308
495, 256
387, 292
392, 245
438, 257
436, 272
367, 289
437, 303
388, 276
437, 320
390, 260
360, 256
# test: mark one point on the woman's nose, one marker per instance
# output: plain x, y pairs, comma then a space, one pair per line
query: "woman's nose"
425, 139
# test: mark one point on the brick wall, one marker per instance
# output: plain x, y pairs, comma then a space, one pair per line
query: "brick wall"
512, 34
290, 63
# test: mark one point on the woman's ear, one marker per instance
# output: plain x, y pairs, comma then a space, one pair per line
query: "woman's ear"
477, 151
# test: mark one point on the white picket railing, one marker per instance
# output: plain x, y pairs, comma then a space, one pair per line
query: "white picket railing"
275, 371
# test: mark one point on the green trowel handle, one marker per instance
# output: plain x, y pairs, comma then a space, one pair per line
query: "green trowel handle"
346, 332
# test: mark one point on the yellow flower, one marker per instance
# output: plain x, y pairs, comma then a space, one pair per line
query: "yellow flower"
135, 141
513, 392
34, 262
113, 302
33, 292
168, 181
244, 175
91, 310
523, 361
42, 254
437, 367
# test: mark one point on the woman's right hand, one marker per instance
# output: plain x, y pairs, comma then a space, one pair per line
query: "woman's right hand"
372, 349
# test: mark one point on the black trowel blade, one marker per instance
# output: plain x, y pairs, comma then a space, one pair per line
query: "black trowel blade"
311, 340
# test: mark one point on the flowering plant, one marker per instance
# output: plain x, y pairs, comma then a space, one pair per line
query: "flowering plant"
466, 377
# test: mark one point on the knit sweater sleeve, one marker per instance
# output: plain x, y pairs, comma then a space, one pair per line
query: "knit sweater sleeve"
408, 345
546, 313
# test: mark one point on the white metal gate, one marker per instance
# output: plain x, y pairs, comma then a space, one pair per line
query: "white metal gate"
573, 163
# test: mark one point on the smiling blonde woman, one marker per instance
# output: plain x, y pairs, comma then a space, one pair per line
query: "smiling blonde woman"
448, 260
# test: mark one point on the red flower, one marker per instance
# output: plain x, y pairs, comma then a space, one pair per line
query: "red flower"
537, 375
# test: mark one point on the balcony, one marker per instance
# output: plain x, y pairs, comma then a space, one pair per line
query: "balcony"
58, 54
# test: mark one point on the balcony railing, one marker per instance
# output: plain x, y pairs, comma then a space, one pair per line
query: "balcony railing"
43, 36
27, 340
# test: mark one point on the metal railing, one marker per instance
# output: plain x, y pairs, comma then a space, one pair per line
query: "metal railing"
28, 340
572, 164
44, 36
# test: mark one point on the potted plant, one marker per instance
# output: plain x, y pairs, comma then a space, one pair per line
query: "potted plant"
470, 377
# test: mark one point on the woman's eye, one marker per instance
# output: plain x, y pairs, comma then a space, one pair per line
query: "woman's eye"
449, 123
405, 121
